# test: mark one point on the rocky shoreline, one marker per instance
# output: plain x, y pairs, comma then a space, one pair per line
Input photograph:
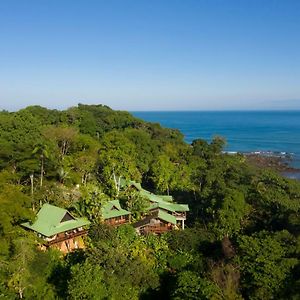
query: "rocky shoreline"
281, 164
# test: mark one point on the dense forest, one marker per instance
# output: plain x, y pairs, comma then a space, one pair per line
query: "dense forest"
241, 239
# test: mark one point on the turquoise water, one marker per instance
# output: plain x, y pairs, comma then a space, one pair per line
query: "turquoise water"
268, 131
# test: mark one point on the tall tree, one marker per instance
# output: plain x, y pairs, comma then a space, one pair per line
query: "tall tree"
42, 151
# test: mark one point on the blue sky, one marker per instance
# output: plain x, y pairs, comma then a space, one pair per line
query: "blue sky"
150, 55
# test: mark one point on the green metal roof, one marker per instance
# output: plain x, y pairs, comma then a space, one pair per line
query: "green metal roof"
127, 183
136, 185
49, 221
166, 217
150, 196
165, 201
166, 198
113, 209
173, 207
180, 207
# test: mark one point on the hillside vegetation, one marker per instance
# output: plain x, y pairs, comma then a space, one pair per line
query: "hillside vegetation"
242, 237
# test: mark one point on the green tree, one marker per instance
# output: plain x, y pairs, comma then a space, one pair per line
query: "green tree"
231, 216
163, 173
265, 264
274, 200
18, 267
117, 159
135, 203
131, 263
191, 286
85, 158
42, 150
91, 202
87, 282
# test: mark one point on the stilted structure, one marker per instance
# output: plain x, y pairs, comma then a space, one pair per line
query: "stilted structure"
156, 222
163, 213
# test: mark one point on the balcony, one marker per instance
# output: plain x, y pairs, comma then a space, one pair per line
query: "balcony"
179, 215
116, 221
156, 229
66, 236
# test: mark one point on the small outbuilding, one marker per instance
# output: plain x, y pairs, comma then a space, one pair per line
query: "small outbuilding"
113, 214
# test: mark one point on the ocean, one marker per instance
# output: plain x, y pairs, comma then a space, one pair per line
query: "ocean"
271, 132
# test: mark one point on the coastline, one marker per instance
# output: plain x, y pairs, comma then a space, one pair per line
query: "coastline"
250, 133
278, 163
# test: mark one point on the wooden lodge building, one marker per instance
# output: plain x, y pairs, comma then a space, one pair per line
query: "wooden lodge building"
176, 211
157, 222
113, 214
163, 214
58, 228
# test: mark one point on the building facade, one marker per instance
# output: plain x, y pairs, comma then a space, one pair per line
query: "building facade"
163, 214
113, 214
58, 229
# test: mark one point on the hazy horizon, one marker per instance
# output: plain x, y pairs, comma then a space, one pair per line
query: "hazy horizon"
155, 110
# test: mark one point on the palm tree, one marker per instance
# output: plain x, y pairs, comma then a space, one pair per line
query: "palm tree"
43, 151
62, 174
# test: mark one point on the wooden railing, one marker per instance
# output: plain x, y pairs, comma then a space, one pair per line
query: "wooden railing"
179, 215
116, 222
67, 237
157, 229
